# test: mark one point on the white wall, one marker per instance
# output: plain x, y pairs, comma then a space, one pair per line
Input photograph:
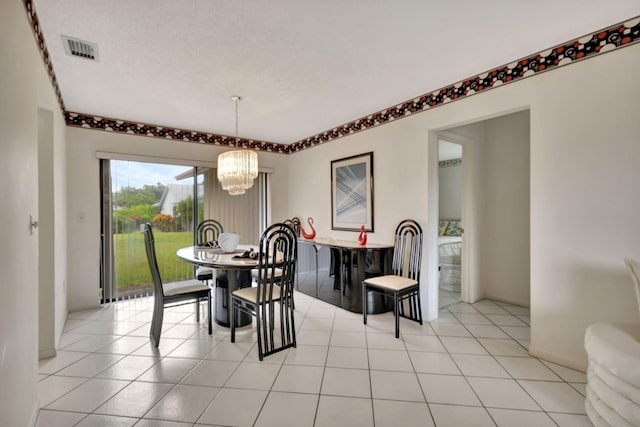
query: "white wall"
84, 196
19, 249
504, 272
46, 219
583, 193
400, 182
60, 221
52, 199
450, 194
472, 139
584, 176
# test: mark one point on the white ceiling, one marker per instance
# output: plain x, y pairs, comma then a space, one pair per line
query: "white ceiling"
301, 66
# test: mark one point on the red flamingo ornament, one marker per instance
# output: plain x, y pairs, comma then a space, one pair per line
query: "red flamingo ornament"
362, 237
312, 234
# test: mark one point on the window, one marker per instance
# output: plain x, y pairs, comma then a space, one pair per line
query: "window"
174, 199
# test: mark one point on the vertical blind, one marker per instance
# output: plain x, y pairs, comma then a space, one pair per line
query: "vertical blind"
246, 214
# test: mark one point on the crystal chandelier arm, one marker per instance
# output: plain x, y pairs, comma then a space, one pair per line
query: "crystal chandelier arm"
236, 99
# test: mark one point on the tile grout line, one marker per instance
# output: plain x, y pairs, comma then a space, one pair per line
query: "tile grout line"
510, 375
457, 315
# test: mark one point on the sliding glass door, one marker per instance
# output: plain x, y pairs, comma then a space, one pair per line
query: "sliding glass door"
173, 199
136, 193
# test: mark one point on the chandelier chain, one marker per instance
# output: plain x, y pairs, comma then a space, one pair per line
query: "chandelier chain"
236, 99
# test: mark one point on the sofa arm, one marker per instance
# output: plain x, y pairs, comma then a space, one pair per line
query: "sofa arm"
613, 390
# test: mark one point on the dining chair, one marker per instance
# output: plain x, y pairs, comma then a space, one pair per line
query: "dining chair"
172, 294
207, 232
295, 224
403, 284
277, 255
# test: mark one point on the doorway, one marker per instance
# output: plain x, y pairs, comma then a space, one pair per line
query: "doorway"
495, 209
136, 193
450, 232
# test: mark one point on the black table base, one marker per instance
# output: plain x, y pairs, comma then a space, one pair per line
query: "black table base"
223, 296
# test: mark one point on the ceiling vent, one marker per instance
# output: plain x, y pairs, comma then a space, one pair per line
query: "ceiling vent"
80, 48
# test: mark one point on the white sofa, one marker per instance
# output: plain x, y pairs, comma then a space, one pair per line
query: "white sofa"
613, 374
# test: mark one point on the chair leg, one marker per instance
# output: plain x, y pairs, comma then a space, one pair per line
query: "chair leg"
270, 341
396, 310
232, 323
198, 310
209, 314
419, 306
272, 317
287, 329
156, 323
364, 303
259, 319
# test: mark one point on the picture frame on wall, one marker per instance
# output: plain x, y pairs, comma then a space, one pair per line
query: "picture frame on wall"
352, 193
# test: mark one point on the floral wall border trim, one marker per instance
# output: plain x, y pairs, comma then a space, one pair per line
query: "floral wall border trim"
44, 52
606, 40
169, 133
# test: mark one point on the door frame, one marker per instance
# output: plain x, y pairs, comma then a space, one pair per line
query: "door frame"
468, 255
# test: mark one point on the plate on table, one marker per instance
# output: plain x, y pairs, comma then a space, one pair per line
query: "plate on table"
219, 250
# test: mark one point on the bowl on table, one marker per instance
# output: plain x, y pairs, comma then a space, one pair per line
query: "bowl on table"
228, 242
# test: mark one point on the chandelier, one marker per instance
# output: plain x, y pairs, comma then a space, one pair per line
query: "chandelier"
237, 168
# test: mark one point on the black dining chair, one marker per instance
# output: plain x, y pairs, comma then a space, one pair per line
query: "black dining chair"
403, 285
294, 223
276, 272
172, 294
207, 233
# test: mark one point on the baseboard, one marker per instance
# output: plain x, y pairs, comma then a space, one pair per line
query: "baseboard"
46, 353
577, 365
506, 300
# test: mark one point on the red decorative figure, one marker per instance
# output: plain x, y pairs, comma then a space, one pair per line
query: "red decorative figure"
362, 237
312, 234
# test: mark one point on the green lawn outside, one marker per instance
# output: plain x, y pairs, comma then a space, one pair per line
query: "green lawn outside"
132, 267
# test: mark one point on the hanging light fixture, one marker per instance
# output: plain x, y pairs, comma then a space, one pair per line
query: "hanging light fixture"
237, 168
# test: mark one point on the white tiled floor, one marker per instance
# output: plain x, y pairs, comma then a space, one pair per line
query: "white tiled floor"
470, 367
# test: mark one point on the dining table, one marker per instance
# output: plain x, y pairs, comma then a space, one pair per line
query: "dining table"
233, 271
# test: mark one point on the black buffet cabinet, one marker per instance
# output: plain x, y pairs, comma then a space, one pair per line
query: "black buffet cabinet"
333, 270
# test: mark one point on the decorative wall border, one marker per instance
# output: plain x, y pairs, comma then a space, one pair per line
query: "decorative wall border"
44, 52
129, 127
599, 42
449, 163
174, 134
608, 39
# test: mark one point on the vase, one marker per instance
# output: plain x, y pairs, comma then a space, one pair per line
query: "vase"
312, 234
362, 237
